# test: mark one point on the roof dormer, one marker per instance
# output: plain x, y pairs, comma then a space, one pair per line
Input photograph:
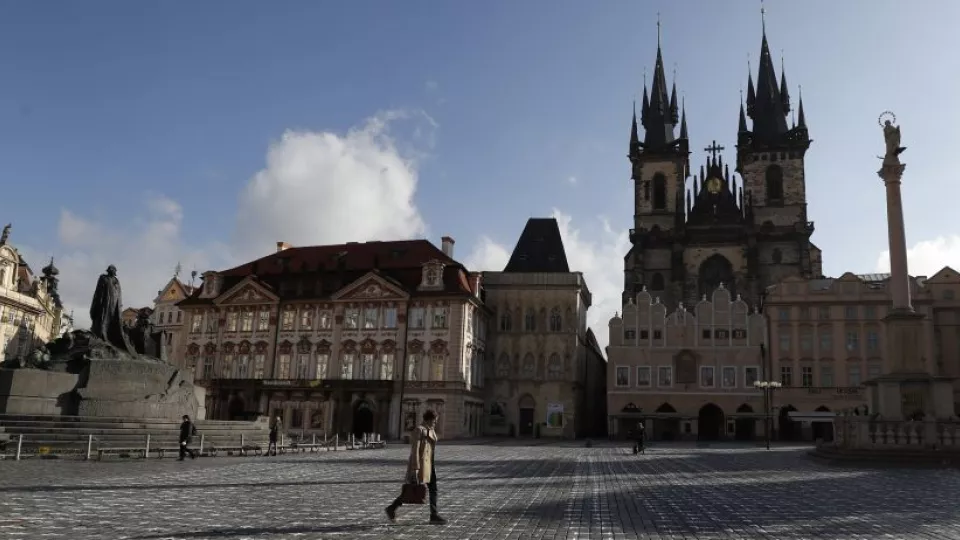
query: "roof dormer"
212, 282
431, 277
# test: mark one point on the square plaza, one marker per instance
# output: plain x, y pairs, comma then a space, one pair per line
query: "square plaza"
487, 491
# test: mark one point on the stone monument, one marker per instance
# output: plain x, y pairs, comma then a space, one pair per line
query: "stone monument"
108, 370
908, 390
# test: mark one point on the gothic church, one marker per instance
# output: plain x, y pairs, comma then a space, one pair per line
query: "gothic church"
691, 236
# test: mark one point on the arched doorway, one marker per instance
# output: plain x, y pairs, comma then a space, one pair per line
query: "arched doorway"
236, 408
710, 423
745, 428
714, 271
362, 419
666, 429
527, 415
788, 428
823, 430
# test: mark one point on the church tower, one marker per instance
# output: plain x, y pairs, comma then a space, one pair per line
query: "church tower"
660, 164
770, 159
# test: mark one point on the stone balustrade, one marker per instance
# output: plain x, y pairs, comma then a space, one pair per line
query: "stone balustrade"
863, 433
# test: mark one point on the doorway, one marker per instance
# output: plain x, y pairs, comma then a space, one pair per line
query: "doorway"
362, 419
789, 429
823, 430
236, 408
528, 408
745, 428
710, 423
666, 429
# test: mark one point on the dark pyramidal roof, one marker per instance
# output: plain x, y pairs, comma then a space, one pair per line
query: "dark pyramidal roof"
539, 249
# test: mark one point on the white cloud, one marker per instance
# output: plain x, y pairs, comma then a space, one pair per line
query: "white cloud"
572, 180
487, 256
927, 257
600, 258
431, 85
316, 188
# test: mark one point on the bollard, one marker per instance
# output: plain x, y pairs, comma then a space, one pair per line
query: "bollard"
242, 445
336, 442
146, 449
89, 446
314, 443
200, 450
19, 445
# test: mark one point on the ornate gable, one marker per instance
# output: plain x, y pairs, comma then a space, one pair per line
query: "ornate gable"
371, 286
173, 292
247, 291
945, 276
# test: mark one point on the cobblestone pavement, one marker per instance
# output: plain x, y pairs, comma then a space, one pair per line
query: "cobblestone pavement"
562, 491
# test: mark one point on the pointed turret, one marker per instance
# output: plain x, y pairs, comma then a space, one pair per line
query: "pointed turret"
683, 123
742, 128
634, 133
674, 110
769, 119
801, 118
784, 92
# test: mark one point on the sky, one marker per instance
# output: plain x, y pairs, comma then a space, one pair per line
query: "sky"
147, 134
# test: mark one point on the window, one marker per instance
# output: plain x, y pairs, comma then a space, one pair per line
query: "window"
351, 318
873, 341
874, 370
413, 367
433, 275
853, 375
643, 377
286, 321
824, 313
346, 365
806, 376
629, 334
804, 313
722, 334
774, 184
806, 341
226, 367
211, 323
386, 367
739, 334
506, 324
729, 374
366, 367
665, 376
196, 323
623, 376
208, 363
870, 312
826, 375
303, 367
306, 319
784, 314
556, 321
246, 321
263, 321
826, 340
243, 366
853, 340
390, 317
439, 316
850, 312
948, 294
529, 367
706, 333
416, 317
180, 313
370, 316
283, 366
644, 334
326, 320
258, 365
530, 321
503, 366
436, 367
657, 334
555, 367
659, 192
320, 370
786, 375
656, 284
784, 335
750, 376
706, 376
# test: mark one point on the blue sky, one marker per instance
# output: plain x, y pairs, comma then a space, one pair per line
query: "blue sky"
140, 133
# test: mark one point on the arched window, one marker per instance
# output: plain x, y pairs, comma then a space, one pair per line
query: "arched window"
556, 320
656, 283
774, 184
506, 323
554, 367
659, 192
529, 366
530, 321
714, 271
503, 366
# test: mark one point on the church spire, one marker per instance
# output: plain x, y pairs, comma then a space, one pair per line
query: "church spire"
634, 133
659, 116
801, 118
683, 121
769, 106
742, 128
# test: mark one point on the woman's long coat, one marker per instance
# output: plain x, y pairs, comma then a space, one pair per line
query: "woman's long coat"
423, 441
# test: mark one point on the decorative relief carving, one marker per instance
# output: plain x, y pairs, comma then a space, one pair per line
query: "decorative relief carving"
244, 347
228, 347
286, 347
323, 346
261, 347
415, 346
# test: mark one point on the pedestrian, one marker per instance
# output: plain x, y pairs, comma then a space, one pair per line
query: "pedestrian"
420, 467
187, 431
638, 436
274, 435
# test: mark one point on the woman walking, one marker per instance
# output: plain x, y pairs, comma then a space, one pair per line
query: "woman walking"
420, 468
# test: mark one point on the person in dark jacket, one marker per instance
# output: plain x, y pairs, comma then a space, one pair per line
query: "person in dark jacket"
639, 435
274, 435
187, 431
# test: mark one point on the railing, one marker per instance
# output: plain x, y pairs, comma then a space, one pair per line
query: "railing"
877, 434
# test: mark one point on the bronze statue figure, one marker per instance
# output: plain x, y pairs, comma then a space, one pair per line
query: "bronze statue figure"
105, 319
5, 235
891, 136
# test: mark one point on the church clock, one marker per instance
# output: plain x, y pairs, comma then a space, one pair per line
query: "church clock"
714, 185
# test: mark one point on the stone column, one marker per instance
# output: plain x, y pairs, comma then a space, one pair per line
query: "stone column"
891, 173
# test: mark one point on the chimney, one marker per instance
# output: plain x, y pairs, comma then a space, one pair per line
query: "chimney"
446, 245
283, 246
474, 280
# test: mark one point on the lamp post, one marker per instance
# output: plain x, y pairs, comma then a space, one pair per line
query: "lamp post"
767, 387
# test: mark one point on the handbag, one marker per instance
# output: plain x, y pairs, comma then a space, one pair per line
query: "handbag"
413, 493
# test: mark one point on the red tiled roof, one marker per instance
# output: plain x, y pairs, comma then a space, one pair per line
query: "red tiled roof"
400, 261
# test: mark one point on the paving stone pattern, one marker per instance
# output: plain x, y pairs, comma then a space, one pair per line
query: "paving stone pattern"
491, 491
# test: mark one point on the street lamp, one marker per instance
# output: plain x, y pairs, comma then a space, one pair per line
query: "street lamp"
767, 387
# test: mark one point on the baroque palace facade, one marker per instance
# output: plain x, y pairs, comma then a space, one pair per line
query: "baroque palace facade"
353, 338
31, 312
